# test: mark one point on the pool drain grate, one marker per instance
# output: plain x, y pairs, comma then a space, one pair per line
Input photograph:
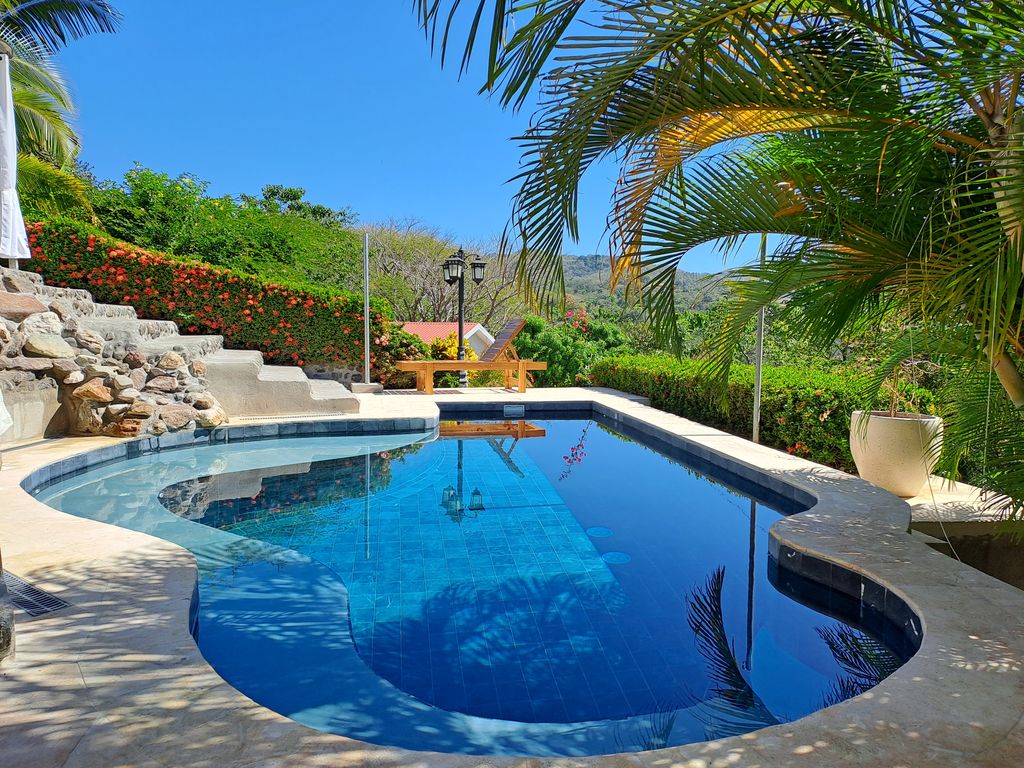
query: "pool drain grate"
30, 599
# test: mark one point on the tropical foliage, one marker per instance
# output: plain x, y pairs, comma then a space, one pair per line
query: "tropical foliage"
881, 140
279, 236
47, 143
34, 30
447, 348
45, 190
570, 347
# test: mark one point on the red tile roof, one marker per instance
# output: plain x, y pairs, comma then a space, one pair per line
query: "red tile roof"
431, 331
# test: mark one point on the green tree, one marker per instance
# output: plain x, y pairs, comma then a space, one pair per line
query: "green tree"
176, 214
291, 200
569, 347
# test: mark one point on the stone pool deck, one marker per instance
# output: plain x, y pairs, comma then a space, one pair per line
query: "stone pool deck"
116, 679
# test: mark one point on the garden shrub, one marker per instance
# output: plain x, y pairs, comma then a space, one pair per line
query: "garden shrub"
279, 236
447, 348
289, 325
569, 347
804, 412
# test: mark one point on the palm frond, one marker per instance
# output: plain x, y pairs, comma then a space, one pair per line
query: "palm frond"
51, 24
45, 189
865, 662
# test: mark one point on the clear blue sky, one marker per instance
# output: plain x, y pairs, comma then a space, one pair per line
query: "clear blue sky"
340, 97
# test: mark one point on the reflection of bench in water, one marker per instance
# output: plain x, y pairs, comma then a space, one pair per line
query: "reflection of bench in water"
517, 430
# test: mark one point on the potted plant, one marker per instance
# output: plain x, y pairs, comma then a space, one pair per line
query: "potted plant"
896, 449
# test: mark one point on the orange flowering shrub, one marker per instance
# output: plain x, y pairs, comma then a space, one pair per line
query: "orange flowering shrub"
289, 325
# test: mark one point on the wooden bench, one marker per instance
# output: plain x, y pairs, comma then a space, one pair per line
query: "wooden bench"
425, 370
500, 356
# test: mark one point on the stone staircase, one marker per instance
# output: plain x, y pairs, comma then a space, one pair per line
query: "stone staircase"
116, 324
240, 381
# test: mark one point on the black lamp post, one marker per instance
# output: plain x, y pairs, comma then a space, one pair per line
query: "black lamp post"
454, 271
452, 499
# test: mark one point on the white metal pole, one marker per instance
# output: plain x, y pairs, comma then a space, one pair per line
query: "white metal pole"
759, 354
366, 307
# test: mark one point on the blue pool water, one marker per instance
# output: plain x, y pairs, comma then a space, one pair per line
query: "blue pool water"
567, 594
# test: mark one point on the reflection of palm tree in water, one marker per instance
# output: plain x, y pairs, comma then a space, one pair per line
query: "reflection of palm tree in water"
733, 707
866, 662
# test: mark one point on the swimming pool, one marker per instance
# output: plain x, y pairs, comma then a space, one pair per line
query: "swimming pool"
497, 591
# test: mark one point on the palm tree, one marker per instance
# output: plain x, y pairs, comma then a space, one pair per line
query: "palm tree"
899, 87
34, 30
883, 140
47, 143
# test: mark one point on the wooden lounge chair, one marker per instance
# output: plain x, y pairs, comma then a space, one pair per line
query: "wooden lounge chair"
500, 356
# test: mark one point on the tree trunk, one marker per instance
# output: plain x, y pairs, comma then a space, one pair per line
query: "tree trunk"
1007, 167
1010, 378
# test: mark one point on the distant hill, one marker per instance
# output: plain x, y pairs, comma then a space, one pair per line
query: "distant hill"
586, 280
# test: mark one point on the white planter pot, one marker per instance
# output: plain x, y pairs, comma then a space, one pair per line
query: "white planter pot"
897, 453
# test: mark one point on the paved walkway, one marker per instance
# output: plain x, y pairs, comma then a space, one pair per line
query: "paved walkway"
946, 501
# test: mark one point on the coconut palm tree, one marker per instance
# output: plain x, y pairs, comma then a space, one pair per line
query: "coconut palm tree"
900, 88
882, 140
34, 30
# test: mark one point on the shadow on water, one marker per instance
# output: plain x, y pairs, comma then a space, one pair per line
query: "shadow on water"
532, 650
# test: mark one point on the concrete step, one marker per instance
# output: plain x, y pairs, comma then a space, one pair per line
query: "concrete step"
247, 387
191, 347
327, 389
282, 373
128, 329
238, 356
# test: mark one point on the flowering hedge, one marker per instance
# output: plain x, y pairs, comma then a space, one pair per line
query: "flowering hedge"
804, 412
289, 325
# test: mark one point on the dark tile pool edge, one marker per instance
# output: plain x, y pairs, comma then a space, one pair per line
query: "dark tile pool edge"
831, 575
144, 446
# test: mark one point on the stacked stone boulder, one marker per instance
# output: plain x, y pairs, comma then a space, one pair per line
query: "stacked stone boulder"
108, 384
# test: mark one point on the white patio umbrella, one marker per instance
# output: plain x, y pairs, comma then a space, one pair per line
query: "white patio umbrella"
13, 240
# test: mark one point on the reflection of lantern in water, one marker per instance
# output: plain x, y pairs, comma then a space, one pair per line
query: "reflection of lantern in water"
447, 495
476, 501
452, 498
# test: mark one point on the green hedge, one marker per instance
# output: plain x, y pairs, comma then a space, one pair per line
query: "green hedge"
806, 413
289, 325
